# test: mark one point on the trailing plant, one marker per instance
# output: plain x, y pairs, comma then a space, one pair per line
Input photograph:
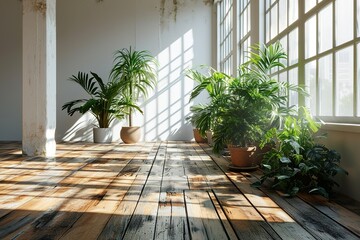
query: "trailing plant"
104, 101
135, 71
296, 163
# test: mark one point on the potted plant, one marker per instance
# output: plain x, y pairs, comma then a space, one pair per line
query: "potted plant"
254, 103
296, 163
203, 115
104, 103
135, 71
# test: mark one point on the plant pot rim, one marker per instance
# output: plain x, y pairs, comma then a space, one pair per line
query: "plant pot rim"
241, 147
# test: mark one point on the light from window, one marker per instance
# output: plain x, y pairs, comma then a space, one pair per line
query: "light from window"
325, 29
310, 37
344, 21
325, 86
344, 82
310, 82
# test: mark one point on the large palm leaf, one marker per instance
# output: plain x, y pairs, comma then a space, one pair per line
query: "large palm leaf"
105, 101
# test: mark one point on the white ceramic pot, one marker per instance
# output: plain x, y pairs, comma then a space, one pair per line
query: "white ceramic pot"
102, 135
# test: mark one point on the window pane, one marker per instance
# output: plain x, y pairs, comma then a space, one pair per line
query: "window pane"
358, 80
309, 4
310, 82
344, 17
267, 27
358, 18
283, 42
283, 78
310, 37
274, 21
345, 82
325, 86
293, 11
293, 79
325, 29
293, 47
283, 15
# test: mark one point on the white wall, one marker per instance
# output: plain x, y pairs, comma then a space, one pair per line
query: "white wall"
10, 70
346, 140
90, 32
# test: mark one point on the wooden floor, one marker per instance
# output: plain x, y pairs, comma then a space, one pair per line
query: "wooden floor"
162, 190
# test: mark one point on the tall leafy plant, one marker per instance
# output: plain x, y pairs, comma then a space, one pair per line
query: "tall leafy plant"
215, 84
255, 101
105, 101
135, 71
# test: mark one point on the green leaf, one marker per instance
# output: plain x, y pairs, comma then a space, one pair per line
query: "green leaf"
267, 166
321, 191
295, 145
285, 160
282, 177
294, 191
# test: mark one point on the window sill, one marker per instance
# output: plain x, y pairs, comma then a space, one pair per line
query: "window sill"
341, 127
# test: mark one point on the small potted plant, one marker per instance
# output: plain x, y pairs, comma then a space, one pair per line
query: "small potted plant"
135, 71
104, 103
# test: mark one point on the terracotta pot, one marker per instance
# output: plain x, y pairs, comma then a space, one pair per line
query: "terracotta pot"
242, 156
198, 137
130, 134
102, 135
209, 137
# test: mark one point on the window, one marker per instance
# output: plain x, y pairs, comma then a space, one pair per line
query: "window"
323, 57
244, 29
225, 36
321, 38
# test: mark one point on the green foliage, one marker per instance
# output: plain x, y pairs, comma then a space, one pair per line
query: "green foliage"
297, 163
135, 70
215, 84
254, 102
104, 101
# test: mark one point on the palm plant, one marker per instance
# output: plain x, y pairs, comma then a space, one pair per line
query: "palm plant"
255, 101
104, 101
216, 85
134, 70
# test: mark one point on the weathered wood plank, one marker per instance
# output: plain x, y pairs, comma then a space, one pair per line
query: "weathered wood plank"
226, 223
336, 212
92, 222
316, 223
119, 221
246, 221
203, 220
52, 202
278, 219
171, 221
142, 224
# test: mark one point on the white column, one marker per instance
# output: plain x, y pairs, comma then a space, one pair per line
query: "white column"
39, 77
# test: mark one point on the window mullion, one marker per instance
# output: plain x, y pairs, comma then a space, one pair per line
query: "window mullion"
301, 49
355, 100
235, 33
334, 62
